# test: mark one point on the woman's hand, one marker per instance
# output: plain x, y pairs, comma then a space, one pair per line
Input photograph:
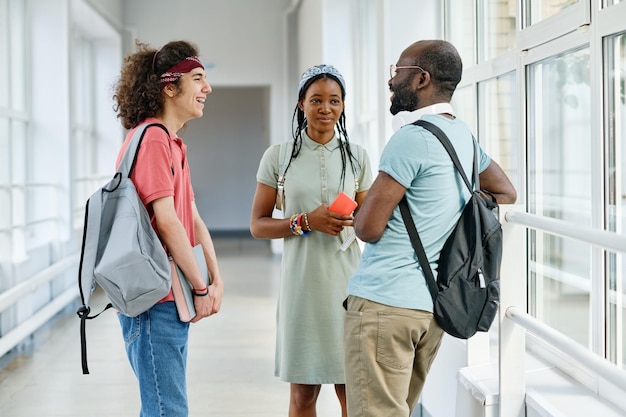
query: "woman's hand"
325, 221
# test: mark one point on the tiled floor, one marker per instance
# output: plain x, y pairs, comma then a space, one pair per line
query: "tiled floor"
230, 366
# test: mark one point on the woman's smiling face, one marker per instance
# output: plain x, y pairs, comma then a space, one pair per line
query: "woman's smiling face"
322, 106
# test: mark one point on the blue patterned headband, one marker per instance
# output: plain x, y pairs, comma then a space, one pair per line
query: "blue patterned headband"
317, 70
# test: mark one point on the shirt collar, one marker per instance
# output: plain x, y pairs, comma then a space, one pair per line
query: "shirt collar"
404, 118
311, 144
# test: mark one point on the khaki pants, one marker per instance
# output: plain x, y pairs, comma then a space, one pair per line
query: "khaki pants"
388, 352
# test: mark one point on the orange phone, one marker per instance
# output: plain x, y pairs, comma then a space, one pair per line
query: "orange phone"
343, 204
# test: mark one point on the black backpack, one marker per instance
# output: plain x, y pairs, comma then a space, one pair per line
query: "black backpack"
467, 291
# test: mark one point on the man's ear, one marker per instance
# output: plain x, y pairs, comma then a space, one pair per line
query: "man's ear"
422, 79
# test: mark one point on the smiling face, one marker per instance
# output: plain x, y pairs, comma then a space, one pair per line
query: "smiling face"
322, 106
187, 98
403, 98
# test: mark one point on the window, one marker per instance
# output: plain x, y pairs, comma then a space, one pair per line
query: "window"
499, 28
493, 27
499, 126
95, 133
5, 32
464, 104
84, 158
13, 128
615, 51
460, 29
539, 10
559, 130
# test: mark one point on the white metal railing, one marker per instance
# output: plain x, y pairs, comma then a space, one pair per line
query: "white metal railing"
602, 238
14, 294
514, 322
563, 343
11, 339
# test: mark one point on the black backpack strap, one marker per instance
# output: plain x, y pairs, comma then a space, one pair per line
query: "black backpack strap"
418, 247
435, 130
83, 313
128, 160
416, 242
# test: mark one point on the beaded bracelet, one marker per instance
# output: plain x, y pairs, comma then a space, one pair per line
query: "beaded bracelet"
295, 227
306, 221
304, 232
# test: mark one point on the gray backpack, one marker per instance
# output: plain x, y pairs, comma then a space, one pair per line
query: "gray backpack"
121, 251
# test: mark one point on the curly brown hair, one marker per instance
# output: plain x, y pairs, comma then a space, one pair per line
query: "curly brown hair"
138, 93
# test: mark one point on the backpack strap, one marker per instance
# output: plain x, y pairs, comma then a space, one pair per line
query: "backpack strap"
435, 130
126, 163
416, 242
86, 283
284, 157
285, 150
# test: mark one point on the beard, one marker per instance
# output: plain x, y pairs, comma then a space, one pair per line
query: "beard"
403, 98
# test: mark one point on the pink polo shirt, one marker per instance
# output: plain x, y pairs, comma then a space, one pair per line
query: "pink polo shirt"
161, 170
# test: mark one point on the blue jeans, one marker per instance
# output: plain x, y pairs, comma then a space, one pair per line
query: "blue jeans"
156, 345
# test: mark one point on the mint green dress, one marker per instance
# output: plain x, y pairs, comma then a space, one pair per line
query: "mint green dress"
314, 270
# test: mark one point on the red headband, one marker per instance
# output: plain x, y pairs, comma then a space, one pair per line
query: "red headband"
177, 71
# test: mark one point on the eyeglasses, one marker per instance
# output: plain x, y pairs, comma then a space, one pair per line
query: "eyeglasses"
394, 68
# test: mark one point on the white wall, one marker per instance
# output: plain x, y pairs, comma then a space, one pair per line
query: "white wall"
241, 43
224, 157
241, 39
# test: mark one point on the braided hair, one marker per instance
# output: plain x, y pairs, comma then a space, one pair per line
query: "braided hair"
299, 124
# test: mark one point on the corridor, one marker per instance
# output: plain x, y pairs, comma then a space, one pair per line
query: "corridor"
230, 364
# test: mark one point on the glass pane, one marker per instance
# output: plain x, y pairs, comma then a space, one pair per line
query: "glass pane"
83, 138
559, 284
499, 27
5, 175
539, 10
4, 52
559, 164
464, 104
18, 172
460, 29
81, 82
5, 153
499, 125
615, 51
5, 190
18, 52
18, 151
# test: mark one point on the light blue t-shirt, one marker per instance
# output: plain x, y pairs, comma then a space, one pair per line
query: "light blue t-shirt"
389, 272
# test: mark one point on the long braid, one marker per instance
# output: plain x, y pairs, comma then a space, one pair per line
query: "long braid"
346, 151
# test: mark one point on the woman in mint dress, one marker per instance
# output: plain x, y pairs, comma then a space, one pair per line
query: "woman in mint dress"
319, 252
